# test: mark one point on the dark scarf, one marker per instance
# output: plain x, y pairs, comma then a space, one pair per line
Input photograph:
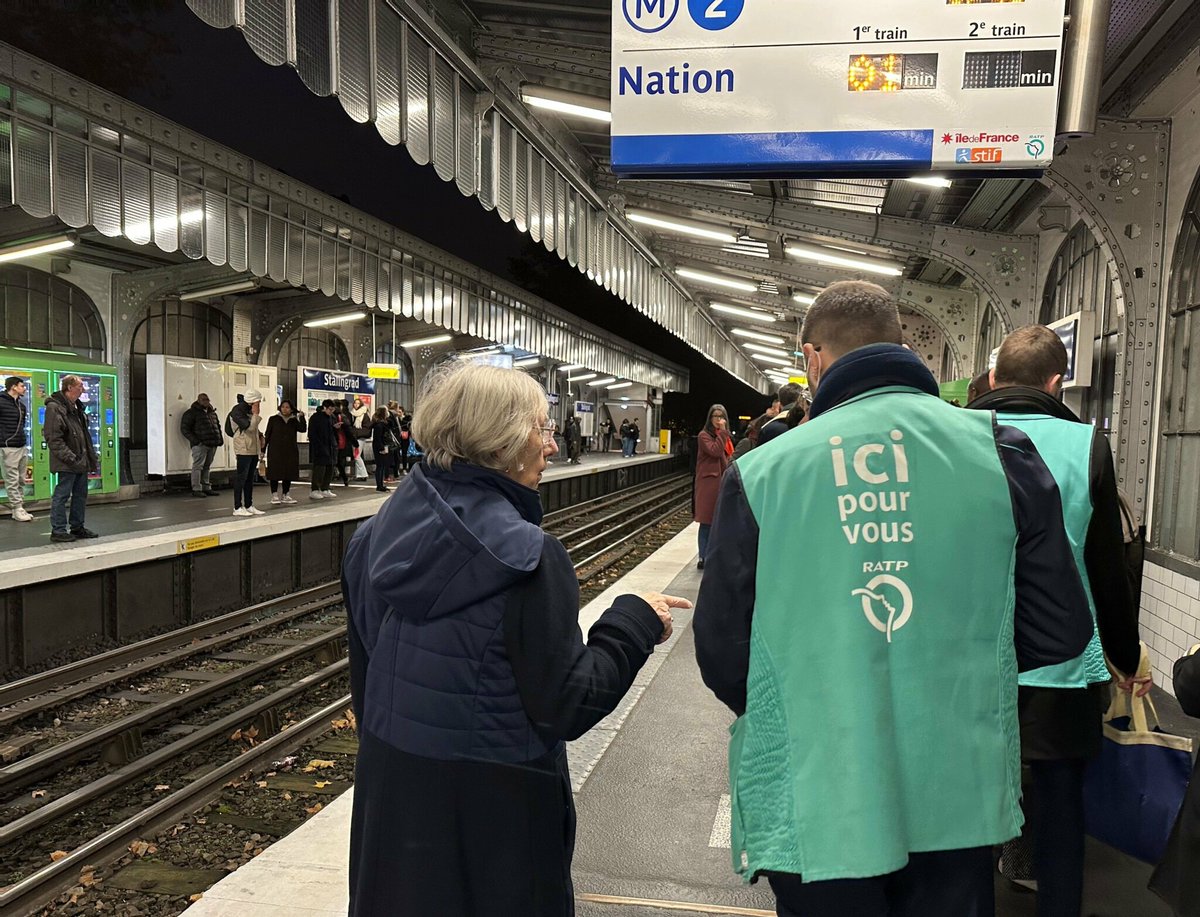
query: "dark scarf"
871, 367
1023, 399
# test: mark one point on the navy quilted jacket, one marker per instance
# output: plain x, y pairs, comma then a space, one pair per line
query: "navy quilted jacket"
427, 581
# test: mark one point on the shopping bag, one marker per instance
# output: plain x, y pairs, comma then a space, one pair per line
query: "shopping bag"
1133, 790
360, 468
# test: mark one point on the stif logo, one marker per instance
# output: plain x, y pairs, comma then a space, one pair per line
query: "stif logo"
893, 618
649, 16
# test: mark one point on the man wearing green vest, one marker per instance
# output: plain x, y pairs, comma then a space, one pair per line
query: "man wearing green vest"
1061, 707
875, 757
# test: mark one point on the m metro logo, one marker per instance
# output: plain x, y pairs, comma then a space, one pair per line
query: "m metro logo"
649, 16
979, 154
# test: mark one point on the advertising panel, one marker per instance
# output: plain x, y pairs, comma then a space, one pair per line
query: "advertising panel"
708, 88
314, 385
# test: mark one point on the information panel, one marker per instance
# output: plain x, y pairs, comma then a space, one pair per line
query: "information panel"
710, 88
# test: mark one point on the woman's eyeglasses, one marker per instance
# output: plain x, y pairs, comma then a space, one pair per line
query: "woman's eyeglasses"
547, 433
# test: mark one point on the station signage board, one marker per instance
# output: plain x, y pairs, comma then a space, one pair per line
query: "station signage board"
720, 88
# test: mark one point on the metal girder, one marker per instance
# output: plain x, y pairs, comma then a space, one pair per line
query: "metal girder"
954, 311
1002, 266
1117, 180
558, 57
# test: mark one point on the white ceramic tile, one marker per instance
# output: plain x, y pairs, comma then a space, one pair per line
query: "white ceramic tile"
1192, 587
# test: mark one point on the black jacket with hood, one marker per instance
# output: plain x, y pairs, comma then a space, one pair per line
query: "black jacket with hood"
201, 426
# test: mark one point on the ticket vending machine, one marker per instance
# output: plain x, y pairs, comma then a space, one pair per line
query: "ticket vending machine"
43, 372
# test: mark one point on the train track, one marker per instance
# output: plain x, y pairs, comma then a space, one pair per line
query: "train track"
98, 771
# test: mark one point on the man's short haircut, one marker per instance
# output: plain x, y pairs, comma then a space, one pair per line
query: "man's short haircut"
328, 403
788, 394
1031, 356
69, 382
12, 381
850, 314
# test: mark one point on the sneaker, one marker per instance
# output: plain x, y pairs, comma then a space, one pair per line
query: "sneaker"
383, 490
198, 493
84, 533
255, 511
276, 499
61, 536
287, 500
316, 495
20, 514
327, 494
242, 512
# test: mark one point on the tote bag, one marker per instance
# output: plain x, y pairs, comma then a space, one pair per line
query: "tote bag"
1133, 790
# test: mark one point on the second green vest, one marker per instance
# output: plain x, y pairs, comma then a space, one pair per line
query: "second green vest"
1066, 448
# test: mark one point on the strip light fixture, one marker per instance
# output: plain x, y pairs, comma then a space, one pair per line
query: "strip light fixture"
237, 286
805, 299
763, 348
567, 367
930, 181
421, 342
562, 102
754, 315
717, 280
767, 358
758, 336
600, 382
527, 361
335, 319
681, 224
33, 247
825, 256
620, 385
582, 378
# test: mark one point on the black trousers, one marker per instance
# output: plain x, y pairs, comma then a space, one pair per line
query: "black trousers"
243, 491
1055, 807
946, 883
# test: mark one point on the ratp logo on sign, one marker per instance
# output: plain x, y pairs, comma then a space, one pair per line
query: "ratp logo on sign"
649, 15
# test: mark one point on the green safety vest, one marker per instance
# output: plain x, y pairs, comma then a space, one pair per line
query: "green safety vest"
881, 693
1066, 448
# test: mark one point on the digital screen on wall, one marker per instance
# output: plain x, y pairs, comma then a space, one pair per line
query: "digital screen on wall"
1068, 333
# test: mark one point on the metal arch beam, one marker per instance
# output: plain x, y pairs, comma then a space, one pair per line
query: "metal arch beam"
1117, 179
1002, 266
954, 311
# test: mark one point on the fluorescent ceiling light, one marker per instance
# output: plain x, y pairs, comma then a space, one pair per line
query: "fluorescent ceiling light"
562, 102
582, 378
528, 361
620, 385
567, 367
758, 336
36, 247
679, 224
932, 182
754, 315
421, 342
767, 358
336, 319
805, 299
824, 256
60, 353
624, 397
600, 382
716, 280
235, 286
490, 351
763, 348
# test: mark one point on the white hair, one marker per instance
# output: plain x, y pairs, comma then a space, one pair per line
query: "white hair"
483, 415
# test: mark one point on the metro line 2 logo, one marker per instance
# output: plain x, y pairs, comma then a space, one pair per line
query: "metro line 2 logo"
650, 16
978, 154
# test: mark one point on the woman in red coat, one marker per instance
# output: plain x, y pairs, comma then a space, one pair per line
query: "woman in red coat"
713, 449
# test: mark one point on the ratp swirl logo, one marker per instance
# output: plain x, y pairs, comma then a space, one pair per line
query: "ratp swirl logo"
893, 618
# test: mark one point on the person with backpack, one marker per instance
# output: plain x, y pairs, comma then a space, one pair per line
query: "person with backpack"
242, 424
383, 442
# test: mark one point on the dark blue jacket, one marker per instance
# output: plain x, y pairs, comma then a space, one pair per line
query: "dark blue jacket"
12, 421
322, 440
427, 584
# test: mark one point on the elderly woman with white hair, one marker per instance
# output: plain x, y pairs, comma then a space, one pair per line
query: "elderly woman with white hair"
468, 669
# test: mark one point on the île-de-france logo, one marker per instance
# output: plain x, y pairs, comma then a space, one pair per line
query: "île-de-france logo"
887, 603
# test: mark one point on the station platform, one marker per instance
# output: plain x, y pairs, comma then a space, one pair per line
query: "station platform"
651, 792
156, 525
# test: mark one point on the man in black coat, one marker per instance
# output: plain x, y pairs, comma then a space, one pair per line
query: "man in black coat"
72, 457
322, 450
201, 427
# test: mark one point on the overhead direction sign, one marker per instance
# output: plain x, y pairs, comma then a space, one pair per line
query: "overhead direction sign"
709, 88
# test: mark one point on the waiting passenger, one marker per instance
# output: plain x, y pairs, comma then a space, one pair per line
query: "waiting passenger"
574, 440
343, 429
606, 432
201, 427
635, 437
789, 398
1061, 708
72, 457
468, 670
874, 760
283, 453
14, 445
322, 450
384, 444
714, 450
243, 425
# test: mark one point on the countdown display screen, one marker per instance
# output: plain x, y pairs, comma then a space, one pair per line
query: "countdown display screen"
730, 88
